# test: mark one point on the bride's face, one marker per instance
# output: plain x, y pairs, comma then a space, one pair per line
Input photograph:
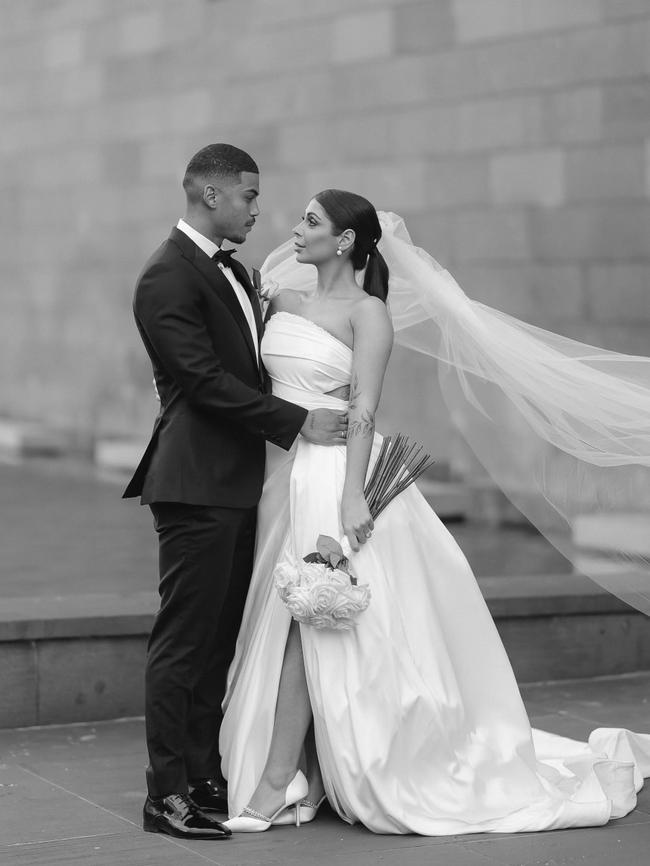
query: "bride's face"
314, 241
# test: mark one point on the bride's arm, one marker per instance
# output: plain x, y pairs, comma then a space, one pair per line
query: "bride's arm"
373, 340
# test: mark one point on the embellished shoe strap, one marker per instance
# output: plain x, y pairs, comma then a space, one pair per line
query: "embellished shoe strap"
253, 814
309, 804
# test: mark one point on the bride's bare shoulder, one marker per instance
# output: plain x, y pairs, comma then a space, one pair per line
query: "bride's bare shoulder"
371, 313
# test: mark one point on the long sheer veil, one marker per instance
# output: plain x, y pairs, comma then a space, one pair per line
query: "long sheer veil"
563, 428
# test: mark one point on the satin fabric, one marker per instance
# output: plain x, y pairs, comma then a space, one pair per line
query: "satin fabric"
419, 724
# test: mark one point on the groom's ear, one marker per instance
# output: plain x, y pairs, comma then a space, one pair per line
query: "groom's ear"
210, 194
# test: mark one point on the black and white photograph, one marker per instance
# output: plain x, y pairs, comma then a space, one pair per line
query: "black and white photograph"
324, 432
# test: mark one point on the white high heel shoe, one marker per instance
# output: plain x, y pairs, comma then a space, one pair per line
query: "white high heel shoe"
308, 812
251, 821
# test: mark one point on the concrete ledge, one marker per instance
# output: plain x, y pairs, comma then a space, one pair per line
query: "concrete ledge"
74, 658
608, 533
450, 500
119, 455
20, 438
575, 646
113, 614
81, 658
71, 680
78, 616
547, 595
31, 439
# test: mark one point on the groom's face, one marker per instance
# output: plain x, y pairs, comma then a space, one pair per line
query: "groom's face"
236, 207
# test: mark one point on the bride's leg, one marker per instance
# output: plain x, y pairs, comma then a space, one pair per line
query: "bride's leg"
313, 773
292, 719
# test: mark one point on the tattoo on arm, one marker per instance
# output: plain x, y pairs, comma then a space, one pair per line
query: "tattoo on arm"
365, 424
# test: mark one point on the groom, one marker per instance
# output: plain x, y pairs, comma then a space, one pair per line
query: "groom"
201, 475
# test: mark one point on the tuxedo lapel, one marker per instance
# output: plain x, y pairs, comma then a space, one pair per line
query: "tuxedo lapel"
219, 282
242, 275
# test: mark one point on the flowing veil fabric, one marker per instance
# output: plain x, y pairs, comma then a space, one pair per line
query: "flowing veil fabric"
563, 428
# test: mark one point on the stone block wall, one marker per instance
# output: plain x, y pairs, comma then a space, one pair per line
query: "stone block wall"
513, 136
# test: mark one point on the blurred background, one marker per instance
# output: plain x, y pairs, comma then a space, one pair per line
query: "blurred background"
512, 135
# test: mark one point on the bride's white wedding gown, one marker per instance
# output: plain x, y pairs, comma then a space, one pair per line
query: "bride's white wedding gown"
419, 723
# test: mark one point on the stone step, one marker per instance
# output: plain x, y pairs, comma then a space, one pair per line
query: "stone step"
31, 439
607, 533
475, 499
450, 500
81, 658
119, 455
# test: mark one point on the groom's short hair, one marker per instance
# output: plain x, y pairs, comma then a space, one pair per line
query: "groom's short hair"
216, 161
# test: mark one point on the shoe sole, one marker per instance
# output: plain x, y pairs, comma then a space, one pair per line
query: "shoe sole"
150, 825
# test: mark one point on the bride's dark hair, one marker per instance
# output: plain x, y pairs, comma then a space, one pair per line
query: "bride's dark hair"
350, 211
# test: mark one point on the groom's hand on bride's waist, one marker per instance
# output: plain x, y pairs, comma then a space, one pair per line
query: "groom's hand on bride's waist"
325, 427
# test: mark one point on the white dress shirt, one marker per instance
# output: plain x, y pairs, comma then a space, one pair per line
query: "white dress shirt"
210, 248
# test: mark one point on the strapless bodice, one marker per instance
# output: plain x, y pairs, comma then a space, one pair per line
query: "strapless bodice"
305, 361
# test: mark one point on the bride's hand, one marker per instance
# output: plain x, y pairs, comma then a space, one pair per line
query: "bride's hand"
356, 519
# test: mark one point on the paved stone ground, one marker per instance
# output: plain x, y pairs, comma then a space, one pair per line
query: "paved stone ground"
73, 795
64, 530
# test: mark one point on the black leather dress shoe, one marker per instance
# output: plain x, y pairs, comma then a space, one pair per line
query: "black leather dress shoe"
210, 796
178, 815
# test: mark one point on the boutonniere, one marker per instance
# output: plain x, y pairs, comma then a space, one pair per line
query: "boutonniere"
264, 289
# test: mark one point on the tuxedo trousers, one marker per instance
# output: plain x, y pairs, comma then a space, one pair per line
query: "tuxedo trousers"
205, 562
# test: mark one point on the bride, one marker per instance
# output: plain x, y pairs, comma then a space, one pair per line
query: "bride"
411, 722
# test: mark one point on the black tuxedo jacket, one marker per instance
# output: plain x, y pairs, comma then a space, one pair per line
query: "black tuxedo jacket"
207, 446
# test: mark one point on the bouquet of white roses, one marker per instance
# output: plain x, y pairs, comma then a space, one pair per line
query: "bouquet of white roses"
322, 591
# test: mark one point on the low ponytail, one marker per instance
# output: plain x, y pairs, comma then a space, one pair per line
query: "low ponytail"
375, 281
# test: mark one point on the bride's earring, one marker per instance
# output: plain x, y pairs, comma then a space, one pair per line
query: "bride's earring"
339, 252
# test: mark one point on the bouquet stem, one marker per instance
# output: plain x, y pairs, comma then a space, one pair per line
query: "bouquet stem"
400, 462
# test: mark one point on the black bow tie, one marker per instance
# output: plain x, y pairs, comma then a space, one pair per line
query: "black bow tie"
223, 257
